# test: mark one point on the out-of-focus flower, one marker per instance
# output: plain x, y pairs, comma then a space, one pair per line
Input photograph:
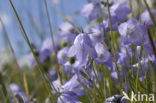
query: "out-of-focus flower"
103, 55
67, 32
132, 32
68, 97
146, 18
115, 76
90, 11
46, 50
15, 88
18, 93
82, 48
120, 10
53, 75
114, 21
97, 34
115, 99
74, 86
62, 55
125, 56
57, 86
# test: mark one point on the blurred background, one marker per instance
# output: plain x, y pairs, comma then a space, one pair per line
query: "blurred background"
34, 19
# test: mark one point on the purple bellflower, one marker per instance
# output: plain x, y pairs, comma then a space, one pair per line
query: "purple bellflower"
67, 32
68, 97
114, 21
45, 51
97, 34
18, 93
82, 48
53, 75
90, 11
146, 18
132, 32
74, 86
103, 55
120, 10
62, 55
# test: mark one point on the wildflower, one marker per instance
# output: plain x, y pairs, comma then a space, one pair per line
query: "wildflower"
132, 32
15, 88
82, 48
62, 55
146, 18
125, 56
90, 11
67, 32
57, 86
74, 86
46, 50
120, 10
68, 97
97, 34
114, 23
115, 76
18, 93
103, 55
53, 75
115, 99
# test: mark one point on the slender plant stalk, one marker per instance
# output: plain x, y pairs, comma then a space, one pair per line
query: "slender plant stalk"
13, 96
36, 59
113, 46
11, 48
138, 70
53, 43
150, 12
25, 84
151, 40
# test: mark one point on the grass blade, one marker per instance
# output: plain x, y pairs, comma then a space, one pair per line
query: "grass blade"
53, 43
36, 59
113, 46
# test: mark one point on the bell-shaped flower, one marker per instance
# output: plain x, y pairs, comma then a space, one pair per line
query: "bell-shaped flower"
67, 32
132, 32
90, 11
146, 18
82, 48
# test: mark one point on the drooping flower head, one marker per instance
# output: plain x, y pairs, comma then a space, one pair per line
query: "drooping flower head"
67, 32
114, 22
97, 34
68, 97
62, 55
74, 86
103, 55
132, 32
46, 50
120, 10
146, 18
82, 48
90, 11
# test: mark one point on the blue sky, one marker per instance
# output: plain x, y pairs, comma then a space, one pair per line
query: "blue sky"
32, 14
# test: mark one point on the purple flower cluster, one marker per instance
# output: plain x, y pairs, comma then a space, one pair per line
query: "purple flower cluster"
89, 50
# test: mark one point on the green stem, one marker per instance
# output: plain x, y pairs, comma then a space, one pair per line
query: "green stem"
150, 12
53, 43
36, 59
137, 77
113, 46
